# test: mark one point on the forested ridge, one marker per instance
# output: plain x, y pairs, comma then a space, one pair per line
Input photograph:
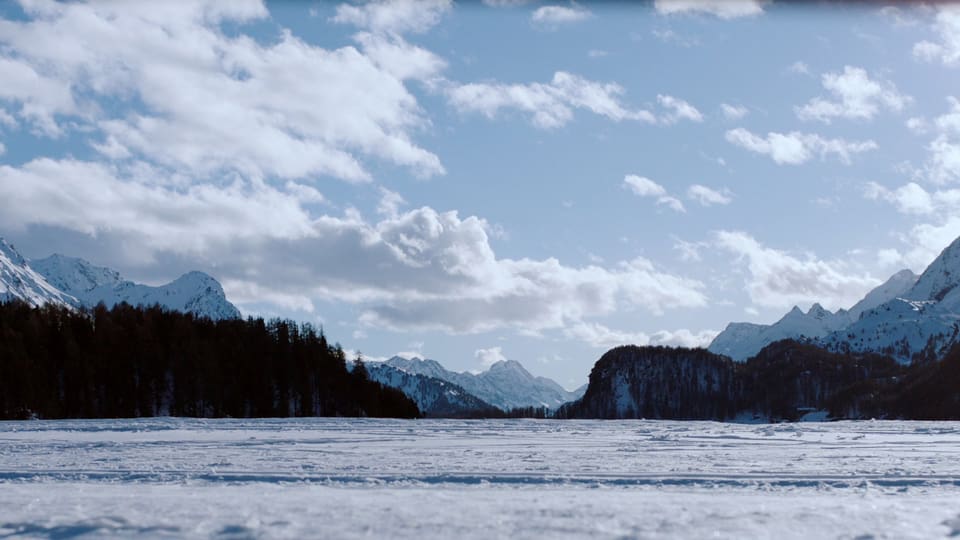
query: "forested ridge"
783, 381
139, 362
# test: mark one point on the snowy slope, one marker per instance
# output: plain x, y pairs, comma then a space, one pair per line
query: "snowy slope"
922, 323
434, 397
193, 292
743, 340
19, 281
507, 384
895, 287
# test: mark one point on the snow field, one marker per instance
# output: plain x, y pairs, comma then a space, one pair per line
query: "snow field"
342, 478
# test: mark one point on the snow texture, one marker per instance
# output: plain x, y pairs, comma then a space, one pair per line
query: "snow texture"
343, 478
506, 384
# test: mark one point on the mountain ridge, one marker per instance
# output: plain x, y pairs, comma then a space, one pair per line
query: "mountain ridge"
506, 384
75, 282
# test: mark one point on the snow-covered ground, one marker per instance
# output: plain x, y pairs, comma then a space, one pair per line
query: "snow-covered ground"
341, 478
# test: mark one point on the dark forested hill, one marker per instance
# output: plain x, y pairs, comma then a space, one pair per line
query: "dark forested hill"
132, 362
782, 382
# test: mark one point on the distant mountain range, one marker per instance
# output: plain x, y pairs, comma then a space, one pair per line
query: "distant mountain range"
76, 283
434, 397
909, 317
505, 385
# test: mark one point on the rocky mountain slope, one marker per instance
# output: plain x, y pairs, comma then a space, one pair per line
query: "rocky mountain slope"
434, 397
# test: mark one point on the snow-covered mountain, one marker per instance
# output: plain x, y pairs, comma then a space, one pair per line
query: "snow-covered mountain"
434, 397
21, 282
193, 292
895, 287
923, 322
907, 317
743, 340
74, 282
507, 384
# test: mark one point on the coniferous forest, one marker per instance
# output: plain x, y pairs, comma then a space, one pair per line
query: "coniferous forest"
140, 362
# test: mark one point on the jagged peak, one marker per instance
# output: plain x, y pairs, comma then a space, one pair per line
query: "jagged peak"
10, 252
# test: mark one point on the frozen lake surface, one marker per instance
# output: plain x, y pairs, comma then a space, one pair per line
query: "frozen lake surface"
345, 478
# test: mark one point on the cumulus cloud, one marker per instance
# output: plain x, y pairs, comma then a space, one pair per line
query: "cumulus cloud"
943, 152
707, 196
777, 279
602, 337
678, 109
410, 269
185, 94
733, 112
725, 9
795, 147
645, 187
551, 104
554, 15
909, 198
946, 48
854, 95
937, 222
489, 357
393, 16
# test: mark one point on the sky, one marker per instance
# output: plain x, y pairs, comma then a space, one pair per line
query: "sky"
479, 181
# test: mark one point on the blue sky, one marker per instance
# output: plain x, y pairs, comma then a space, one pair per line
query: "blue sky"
478, 181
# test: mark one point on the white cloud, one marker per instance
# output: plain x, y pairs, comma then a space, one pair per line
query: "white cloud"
550, 104
780, 280
554, 15
733, 112
708, 197
899, 17
415, 269
601, 337
795, 147
689, 251
947, 48
645, 187
917, 125
390, 203
185, 94
489, 357
597, 53
943, 152
909, 198
3, 149
854, 96
394, 16
679, 109
724, 9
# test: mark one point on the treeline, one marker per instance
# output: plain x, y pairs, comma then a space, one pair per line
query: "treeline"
784, 381
140, 362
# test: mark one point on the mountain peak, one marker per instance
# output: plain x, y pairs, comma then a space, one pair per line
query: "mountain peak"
941, 277
21, 282
10, 252
74, 275
510, 366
